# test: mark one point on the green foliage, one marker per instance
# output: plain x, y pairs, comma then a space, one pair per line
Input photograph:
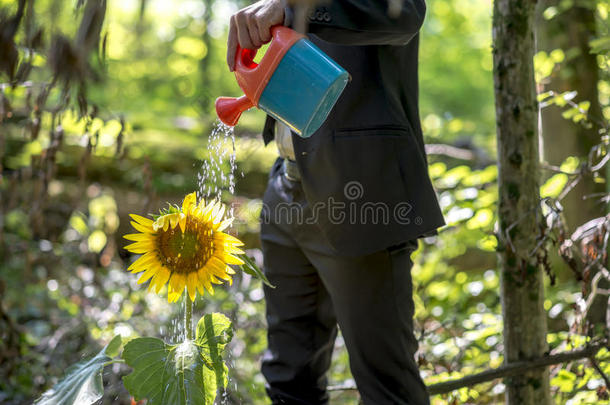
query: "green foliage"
190, 372
162, 72
214, 332
252, 269
167, 374
83, 381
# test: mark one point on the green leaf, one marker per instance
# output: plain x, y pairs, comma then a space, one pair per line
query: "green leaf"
82, 384
600, 45
214, 331
554, 186
183, 374
168, 374
252, 269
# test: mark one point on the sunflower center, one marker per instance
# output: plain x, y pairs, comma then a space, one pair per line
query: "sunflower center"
188, 251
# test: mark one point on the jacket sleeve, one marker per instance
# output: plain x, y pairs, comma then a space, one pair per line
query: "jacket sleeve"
368, 22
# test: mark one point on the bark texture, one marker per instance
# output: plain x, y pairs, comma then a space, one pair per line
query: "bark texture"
522, 289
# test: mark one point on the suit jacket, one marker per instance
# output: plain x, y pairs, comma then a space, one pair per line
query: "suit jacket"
364, 172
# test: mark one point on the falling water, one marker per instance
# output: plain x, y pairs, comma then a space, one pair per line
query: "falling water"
214, 177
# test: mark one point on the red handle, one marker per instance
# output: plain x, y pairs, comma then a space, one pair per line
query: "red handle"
245, 57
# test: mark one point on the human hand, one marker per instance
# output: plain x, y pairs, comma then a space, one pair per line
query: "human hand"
251, 26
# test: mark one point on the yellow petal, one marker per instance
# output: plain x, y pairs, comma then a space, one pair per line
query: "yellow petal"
173, 296
166, 224
191, 285
143, 262
226, 238
141, 220
227, 248
142, 243
141, 228
147, 275
140, 247
177, 281
224, 224
200, 286
206, 212
139, 237
221, 274
217, 263
201, 205
215, 280
160, 278
214, 212
159, 223
173, 219
182, 222
219, 213
229, 259
208, 286
188, 202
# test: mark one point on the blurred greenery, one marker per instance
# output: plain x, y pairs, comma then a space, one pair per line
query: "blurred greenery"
65, 200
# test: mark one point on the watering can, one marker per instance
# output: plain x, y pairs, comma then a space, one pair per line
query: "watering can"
295, 82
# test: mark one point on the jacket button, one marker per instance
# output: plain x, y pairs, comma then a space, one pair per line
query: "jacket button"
326, 17
303, 153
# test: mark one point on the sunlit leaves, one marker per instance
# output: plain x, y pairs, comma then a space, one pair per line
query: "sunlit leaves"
601, 44
556, 183
574, 111
565, 380
554, 186
82, 384
166, 374
214, 332
188, 373
546, 63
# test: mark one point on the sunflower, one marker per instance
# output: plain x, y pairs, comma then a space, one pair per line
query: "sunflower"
184, 247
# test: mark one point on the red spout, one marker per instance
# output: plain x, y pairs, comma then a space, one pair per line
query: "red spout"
229, 109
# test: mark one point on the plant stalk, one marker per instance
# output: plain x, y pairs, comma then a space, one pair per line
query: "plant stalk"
188, 315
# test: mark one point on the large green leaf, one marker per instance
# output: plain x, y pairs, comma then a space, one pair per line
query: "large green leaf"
82, 384
214, 331
185, 374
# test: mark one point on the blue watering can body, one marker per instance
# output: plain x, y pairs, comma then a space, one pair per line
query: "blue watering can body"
295, 82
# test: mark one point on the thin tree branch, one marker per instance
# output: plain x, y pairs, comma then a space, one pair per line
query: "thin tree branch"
600, 371
506, 370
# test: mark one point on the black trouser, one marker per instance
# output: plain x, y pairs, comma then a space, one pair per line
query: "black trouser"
370, 297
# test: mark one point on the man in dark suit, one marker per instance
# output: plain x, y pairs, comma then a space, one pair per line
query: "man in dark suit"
343, 209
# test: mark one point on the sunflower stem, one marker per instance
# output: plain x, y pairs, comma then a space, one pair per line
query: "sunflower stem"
188, 315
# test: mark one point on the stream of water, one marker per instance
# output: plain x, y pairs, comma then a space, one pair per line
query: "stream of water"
215, 176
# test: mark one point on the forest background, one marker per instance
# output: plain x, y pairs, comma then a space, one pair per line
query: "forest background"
128, 130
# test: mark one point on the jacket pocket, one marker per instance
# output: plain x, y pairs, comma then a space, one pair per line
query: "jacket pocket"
377, 131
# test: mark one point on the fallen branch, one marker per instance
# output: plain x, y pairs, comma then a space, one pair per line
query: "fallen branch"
507, 370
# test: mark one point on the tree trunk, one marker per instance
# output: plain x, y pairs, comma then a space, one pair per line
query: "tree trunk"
522, 289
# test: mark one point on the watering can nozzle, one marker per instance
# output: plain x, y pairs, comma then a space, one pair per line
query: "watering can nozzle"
229, 109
